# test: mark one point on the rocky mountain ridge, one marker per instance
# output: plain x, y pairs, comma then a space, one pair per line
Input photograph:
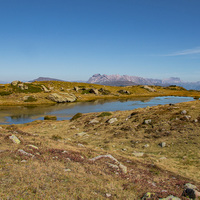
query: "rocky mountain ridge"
125, 80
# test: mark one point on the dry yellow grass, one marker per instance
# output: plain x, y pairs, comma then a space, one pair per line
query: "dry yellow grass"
61, 166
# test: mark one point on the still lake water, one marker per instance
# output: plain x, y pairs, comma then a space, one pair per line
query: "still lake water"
25, 114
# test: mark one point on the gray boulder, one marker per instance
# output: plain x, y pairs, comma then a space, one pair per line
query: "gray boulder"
15, 83
62, 97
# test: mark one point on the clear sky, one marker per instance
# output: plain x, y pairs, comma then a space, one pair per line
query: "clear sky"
74, 39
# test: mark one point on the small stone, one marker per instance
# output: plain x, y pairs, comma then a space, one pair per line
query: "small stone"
25, 153
94, 121
112, 120
163, 158
138, 154
32, 146
23, 161
81, 134
183, 112
162, 144
170, 198
147, 121
108, 195
80, 145
196, 120
67, 170
146, 145
190, 186
14, 139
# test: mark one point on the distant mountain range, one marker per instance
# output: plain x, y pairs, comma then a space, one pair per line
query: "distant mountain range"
46, 79
125, 80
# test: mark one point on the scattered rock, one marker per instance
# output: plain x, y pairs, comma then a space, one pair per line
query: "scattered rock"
190, 186
183, 112
62, 97
148, 196
15, 83
94, 91
149, 88
138, 154
80, 145
124, 92
76, 89
32, 146
187, 117
162, 144
81, 134
163, 158
24, 161
196, 120
14, 139
112, 120
147, 121
67, 170
45, 89
25, 153
121, 166
191, 193
146, 146
108, 195
171, 197
94, 121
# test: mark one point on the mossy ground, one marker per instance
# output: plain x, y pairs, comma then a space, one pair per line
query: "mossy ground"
61, 169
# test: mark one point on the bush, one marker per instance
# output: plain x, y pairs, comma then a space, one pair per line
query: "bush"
103, 114
76, 116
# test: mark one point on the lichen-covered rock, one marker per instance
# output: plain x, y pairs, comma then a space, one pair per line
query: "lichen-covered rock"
112, 120
62, 97
14, 139
15, 83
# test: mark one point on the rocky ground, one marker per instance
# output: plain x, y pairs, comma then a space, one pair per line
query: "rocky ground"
115, 155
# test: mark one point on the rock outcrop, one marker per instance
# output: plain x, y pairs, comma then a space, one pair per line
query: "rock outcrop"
62, 97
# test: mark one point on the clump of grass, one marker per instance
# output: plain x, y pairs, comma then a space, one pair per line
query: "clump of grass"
76, 116
30, 99
196, 98
50, 117
56, 137
103, 114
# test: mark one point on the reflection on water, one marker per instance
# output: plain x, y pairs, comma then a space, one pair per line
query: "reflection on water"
25, 114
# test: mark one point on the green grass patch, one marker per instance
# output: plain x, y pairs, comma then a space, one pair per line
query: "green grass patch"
76, 116
103, 114
5, 93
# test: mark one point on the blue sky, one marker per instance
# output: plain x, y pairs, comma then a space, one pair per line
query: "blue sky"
74, 39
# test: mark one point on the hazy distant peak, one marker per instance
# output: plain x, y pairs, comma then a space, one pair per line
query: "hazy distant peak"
125, 80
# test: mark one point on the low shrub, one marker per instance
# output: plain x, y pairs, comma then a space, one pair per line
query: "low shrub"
103, 114
50, 117
4, 93
76, 116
